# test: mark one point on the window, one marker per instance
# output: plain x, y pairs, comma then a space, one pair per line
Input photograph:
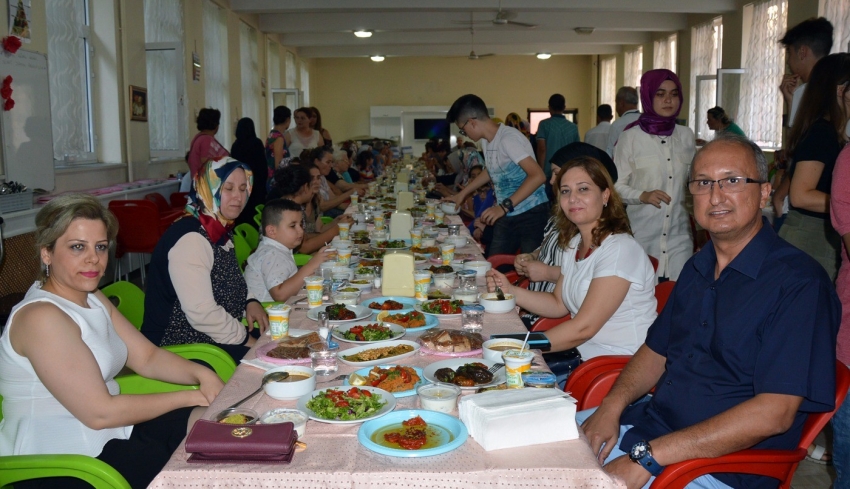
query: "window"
166, 78
290, 71
838, 12
706, 47
69, 73
665, 53
249, 59
216, 68
633, 67
273, 49
760, 109
305, 83
607, 81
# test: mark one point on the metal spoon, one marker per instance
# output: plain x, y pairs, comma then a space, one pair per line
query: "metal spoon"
499, 294
270, 377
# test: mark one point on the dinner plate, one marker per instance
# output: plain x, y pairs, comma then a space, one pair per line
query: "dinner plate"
412, 392
406, 246
397, 332
389, 406
360, 313
261, 355
430, 322
452, 433
453, 363
378, 361
418, 307
295, 333
408, 301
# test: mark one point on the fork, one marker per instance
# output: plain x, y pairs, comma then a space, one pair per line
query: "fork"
495, 368
338, 377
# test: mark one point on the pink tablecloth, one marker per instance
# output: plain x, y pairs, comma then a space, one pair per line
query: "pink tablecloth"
334, 457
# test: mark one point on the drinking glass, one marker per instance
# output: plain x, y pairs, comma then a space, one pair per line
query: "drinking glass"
323, 357
472, 318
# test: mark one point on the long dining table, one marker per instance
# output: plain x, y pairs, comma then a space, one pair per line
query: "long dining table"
335, 458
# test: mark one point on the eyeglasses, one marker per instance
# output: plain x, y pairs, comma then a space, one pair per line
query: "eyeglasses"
460, 129
729, 185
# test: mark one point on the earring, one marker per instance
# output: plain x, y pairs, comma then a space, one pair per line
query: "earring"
47, 270
605, 204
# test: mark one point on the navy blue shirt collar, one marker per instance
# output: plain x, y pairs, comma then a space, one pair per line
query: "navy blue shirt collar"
748, 261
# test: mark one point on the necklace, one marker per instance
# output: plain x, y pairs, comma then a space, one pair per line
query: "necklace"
578, 252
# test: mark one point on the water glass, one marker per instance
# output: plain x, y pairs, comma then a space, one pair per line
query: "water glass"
323, 357
472, 318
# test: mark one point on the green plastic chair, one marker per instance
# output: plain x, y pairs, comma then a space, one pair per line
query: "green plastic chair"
259, 220
131, 301
259, 208
243, 250
301, 259
16, 468
327, 220
249, 233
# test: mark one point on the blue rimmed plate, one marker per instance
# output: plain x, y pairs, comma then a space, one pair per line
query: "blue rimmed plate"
364, 372
449, 433
409, 302
430, 320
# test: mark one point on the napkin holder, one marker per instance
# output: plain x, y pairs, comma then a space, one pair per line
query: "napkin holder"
404, 201
401, 223
397, 275
211, 442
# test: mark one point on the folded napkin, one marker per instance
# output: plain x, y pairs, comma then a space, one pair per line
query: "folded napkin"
519, 417
257, 363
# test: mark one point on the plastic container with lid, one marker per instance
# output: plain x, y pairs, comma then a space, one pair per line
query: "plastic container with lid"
438, 397
539, 379
283, 415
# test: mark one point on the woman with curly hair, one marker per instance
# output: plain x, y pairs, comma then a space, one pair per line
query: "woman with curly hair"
607, 283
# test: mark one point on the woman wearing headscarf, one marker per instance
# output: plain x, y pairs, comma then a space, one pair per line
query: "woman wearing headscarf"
249, 149
196, 292
652, 157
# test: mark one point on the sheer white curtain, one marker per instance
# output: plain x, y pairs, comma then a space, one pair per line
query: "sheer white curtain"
761, 106
165, 77
633, 67
273, 49
291, 75
216, 68
305, 82
838, 12
706, 40
250, 62
69, 80
665, 53
607, 81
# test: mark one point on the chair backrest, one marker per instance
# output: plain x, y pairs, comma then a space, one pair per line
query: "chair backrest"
258, 218
178, 200
581, 382
662, 293
654, 262
301, 259
259, 208
243, 250
131, 301
815, 422
501, 260
327, 219
249, 233
159, 200
545, 324
138, 225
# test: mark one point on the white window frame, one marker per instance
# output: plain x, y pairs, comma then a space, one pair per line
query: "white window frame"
304, 81
696, 118
250, 72
179, 74
670, 45
608, 81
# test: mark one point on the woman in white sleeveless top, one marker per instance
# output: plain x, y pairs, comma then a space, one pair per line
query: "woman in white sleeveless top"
302, 136
62, 347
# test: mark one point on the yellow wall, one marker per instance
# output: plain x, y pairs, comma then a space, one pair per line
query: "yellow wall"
345, 88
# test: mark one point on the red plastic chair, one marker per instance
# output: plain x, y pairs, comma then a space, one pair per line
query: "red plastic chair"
502, 260
545, 324
139, 229
654, 262
662, 293
167, 215
178, 200
591, 380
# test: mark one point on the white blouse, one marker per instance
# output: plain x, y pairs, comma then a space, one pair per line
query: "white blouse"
619, 255
644, 163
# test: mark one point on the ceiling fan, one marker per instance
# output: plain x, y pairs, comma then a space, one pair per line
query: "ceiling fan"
503, 17
472, 54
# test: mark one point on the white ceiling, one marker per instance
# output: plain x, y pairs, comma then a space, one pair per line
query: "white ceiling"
324, 28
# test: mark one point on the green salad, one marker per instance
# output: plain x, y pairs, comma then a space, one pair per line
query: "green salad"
347, 405
370, 332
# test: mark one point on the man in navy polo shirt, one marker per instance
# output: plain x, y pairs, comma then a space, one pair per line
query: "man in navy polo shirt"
744, 349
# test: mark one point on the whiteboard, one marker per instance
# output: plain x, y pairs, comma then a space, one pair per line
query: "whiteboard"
27, 134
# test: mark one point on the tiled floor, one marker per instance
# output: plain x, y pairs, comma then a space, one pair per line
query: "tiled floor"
810, 475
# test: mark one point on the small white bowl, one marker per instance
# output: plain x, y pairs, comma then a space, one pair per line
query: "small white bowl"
291, 389
480, 266
284, 415
496, 355
495, 306
444, 280
449, 208
364, 288
458, 241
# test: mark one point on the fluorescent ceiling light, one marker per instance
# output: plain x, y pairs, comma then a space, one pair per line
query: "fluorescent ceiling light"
543, 55
377, 59
363, 33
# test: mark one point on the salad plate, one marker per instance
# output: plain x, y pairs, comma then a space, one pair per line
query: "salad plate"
360, 313
445, 433
328, 412
408, 302
364, 372
395, 332
431, 321
422, 308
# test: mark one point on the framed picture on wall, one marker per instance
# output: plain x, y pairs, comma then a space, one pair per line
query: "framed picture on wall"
138, 104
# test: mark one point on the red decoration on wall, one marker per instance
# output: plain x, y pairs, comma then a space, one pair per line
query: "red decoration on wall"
6, 93
9, 105
11, 44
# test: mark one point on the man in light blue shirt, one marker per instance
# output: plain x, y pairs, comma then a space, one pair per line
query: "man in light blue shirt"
554, 133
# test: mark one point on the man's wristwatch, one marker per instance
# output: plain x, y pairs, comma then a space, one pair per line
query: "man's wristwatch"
641, 454
507, 205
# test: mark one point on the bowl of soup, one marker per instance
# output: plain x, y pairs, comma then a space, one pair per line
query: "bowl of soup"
493, 349
301, 381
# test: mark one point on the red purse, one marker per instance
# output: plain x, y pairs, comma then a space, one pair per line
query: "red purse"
256, 443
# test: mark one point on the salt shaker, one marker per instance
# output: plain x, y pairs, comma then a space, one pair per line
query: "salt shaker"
325, 329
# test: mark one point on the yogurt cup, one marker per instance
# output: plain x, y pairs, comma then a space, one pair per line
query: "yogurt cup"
438, 397
314, 284
516, 362
278, 320
344, 227
421, 284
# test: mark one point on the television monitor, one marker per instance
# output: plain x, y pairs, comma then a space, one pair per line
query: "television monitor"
431, 129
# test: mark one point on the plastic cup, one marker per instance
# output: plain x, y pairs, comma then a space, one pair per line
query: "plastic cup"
355, 198
315, 286
323, 357
472, 318
516, 362
430, 209
344, 227
448, 253
343, 256
330, 252
379, 221
429, 242
278, 320
439, 216
421, 284
416, 236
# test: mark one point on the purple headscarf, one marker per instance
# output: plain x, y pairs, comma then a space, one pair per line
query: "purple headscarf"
649, 121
